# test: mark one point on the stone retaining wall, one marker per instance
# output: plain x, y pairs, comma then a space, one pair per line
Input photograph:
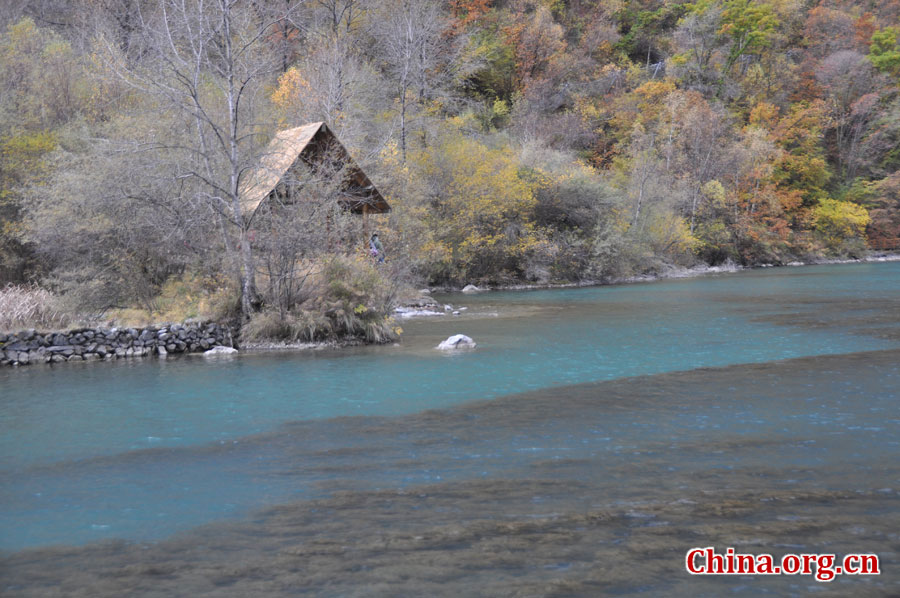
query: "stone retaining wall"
88, 344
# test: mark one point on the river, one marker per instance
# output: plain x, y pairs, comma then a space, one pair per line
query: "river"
591, 439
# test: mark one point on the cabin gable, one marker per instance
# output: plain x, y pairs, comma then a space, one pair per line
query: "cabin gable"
294, 154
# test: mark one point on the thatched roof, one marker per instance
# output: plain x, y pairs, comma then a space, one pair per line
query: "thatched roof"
306, 143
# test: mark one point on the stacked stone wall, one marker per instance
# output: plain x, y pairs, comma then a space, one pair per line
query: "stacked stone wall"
88, 344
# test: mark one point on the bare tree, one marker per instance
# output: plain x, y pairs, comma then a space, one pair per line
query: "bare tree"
698, 38
11, 11
209, 60
704, 136
331, 30
311, 198
847, 77
411, 44
336, 85
644, 171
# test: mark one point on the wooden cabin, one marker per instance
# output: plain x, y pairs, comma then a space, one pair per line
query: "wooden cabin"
295, 153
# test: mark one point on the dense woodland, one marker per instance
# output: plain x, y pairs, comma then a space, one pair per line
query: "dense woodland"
517, 141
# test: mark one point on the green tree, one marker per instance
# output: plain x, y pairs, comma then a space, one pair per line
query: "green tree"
749, 24
884, 53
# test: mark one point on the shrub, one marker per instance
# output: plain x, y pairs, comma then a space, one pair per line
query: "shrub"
481, 210
298, 326
841, 225
354, 302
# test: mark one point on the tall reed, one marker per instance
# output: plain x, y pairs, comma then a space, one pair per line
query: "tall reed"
29, 306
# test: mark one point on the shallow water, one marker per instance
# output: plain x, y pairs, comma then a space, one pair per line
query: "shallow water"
607, 448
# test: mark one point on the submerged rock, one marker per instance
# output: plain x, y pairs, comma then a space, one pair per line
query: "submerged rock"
457, 341
219, 351
407, 312
423, 305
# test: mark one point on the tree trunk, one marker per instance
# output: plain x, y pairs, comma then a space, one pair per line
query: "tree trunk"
248, 278
248, 270
403, 124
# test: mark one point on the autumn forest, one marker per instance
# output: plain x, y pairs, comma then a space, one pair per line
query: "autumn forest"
518, 141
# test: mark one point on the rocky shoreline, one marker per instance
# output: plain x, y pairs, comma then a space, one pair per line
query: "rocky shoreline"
94, 344
669, 273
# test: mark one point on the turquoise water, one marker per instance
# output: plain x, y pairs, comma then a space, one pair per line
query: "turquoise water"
527, 341
608, 385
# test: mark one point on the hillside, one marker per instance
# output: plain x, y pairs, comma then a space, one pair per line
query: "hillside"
518, 141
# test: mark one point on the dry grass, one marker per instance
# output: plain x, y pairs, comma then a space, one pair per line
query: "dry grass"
349, 299
181, 298
29, 306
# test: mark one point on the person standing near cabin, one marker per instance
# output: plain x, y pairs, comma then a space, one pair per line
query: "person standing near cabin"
376, 248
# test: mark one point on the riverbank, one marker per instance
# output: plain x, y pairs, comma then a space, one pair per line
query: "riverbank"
671, 272
30, 347
93, 344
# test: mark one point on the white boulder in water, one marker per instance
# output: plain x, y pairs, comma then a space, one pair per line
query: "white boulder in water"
457, 341
470, 288
215, 351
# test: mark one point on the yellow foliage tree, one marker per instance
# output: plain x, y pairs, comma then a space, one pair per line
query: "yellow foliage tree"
840, 223
482, 214
292, 91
